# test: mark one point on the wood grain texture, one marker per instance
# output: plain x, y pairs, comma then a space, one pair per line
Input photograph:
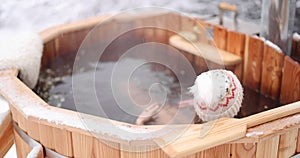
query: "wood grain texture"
295, 52
290, 87
236, 45
243, 150
46, 136
253, 62
288, 144
6, 134
48, 52
271, 72
103, 149
220, 37
33, 130
22, 147
62, 141
221, 151
268, 148
298, 142
25, 145
82, 145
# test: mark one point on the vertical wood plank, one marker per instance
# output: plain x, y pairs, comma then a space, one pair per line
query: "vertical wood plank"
104, 149
33, 130
236, 45
6, 134
295, 52
46, 136
221, 151
82, 145
290, 87
247, 150
268, 148
253, 62
287, 144
220, 37
139, 151
298, 142
48, 53
63, 142
22, 148
271, 72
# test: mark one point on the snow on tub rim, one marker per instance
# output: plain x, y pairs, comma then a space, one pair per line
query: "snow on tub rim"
63, 132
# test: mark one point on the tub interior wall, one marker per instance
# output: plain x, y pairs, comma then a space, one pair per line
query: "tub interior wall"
60, 52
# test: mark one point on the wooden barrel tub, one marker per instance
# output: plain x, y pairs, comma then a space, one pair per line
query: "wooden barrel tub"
259, 66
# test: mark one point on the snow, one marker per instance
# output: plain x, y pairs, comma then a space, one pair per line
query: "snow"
23, 51
296, 36
254, 133
38, 15
274, 46
34, 152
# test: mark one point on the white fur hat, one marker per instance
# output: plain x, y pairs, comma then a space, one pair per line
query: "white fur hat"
217, 94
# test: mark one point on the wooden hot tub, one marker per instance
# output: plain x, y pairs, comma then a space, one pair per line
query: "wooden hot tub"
51, 132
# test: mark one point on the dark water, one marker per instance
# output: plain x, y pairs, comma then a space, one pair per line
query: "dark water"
123, 99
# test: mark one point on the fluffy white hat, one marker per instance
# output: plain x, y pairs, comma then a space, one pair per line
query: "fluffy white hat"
217, 93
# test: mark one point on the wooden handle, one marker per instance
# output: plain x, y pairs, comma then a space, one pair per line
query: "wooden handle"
226, 6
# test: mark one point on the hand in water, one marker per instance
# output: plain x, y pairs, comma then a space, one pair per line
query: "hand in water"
148, 114
186, 104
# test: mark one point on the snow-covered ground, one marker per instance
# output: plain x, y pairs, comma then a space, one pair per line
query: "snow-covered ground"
37, 15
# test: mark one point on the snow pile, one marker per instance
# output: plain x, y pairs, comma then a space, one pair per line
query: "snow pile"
23, 51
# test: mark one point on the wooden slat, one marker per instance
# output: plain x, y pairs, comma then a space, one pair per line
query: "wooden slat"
271, 72
33, 130
247, 150
63, 141
69, 43
221, 151
48, 52
298, 142
290, 87
22, 148
6, 134
25, 146
104, 149
253, 62
295, 52
82, 145
287, 144
46, 136
268, 148
220, 37
236, 45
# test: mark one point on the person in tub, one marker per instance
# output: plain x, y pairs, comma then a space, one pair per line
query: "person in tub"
217, 94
